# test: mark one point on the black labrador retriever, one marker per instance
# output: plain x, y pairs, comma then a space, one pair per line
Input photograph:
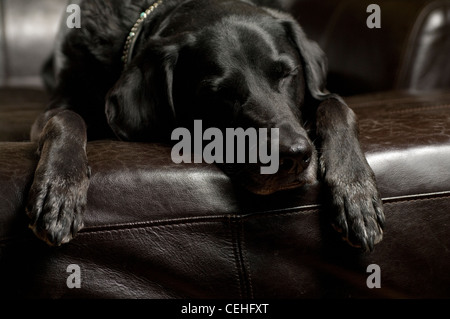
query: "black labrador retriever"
138, 70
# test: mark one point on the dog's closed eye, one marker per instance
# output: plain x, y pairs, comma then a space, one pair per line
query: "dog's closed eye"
231, 90
284, 70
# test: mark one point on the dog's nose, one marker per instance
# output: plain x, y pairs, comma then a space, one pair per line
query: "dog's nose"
296, 158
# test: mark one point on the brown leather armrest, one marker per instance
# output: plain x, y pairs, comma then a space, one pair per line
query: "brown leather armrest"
406, 138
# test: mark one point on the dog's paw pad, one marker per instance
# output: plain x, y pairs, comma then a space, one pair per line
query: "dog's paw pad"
360, 218
55, 208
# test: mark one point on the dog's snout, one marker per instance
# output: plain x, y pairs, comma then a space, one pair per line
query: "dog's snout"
297, 157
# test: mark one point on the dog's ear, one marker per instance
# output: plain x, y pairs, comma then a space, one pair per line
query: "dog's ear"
314, 59
140, 105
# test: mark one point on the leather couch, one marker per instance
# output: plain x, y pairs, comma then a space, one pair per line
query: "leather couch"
155, 229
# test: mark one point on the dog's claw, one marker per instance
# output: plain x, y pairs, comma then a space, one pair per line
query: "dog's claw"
56, 205
360, 217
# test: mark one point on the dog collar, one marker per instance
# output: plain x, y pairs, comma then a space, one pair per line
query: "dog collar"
135, 30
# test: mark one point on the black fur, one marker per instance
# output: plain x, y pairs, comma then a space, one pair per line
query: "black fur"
229, 63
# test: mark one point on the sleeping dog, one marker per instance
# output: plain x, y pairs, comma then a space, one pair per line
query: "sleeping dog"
138, 69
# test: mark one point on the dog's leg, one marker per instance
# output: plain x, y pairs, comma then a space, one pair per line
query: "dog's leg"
359, 213
58, 194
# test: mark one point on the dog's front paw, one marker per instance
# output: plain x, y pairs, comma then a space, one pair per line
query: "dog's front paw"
359, 213
56, 202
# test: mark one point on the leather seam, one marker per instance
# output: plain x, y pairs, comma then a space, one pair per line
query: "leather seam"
235, 256
163, 223
388, 202
430, 197
220, 219
245, 263
242, 268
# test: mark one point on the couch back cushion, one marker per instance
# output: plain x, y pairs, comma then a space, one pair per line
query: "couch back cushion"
27, 32
409, 51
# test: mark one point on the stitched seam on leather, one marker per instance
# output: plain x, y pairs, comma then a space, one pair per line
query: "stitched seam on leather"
430, 197
236, 264
214, 219
197, 219
156, 223
245, 289
245, 262
417, 196
238, 218
287, 212
387, 202
236, 257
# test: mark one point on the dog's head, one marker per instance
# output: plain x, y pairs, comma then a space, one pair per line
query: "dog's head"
253, 68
